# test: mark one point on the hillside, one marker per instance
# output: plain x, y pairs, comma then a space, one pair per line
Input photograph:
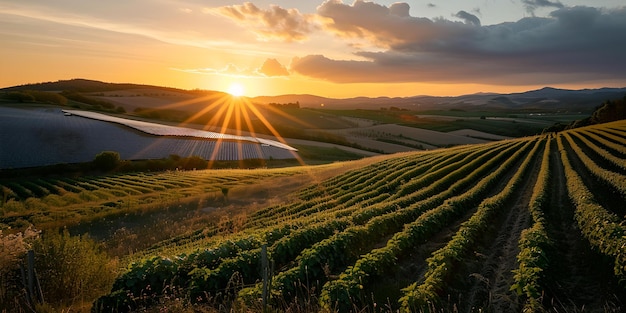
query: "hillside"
85, 85
488, 226
509, 226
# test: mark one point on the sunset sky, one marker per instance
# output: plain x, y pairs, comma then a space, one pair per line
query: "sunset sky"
330, 48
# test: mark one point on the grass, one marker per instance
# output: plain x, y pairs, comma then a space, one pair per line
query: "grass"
523, 125
322, 155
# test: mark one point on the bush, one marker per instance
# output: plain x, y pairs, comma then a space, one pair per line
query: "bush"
106, 161
71, 269
13, 247
19, 96
14, 206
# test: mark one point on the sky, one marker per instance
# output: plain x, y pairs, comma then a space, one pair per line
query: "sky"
329, 48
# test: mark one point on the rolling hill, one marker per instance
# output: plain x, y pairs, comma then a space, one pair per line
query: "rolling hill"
524, 224
527, 224
545, 98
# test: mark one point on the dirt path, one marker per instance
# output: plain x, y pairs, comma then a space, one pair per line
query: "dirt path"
491, 281
578, 278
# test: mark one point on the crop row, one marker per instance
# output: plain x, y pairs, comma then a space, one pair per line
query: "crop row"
603, 229
373, 190
602, 155
534, 241
613, 179
340, 236
358, 208
360, 204
343, 248
445, 261
609, 142
292, 245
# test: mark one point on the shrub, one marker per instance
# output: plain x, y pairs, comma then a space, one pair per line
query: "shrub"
106, 160
71, 269
14, 206
13, 247
35, 205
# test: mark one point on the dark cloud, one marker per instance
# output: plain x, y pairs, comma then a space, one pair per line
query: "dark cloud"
271, 67
382, 25
400, 9
572, 44
468, 18
532, 5
274, 23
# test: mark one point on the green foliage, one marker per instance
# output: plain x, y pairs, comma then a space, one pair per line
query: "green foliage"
36, 96
340, 236
13, 206
106, 161
534, 242
603, 229
71, 269
610, 111
19, 96
96, 103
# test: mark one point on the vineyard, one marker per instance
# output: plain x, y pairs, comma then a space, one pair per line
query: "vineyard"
529, 224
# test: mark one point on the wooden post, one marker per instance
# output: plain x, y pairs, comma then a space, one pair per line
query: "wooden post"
264, 272
31, 274
34, 293
25, 284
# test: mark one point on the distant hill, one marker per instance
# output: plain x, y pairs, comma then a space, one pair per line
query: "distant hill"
92, 86
547, 98
82, 85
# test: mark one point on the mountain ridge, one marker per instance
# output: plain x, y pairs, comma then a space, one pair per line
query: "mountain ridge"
546, 97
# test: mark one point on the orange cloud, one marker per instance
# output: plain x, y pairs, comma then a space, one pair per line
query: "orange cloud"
271, 67
275, 23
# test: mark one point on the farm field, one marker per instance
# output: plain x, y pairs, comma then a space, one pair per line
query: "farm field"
528, 224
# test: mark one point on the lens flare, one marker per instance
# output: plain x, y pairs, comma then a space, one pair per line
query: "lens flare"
236, 90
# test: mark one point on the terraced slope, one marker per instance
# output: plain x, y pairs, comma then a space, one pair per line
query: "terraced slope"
528, 224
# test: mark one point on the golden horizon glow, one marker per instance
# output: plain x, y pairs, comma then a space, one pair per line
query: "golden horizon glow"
236, 89
301, 51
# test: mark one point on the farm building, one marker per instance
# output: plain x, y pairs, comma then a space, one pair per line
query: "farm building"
37, 136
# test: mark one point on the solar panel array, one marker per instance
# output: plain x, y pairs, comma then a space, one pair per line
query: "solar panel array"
37, 137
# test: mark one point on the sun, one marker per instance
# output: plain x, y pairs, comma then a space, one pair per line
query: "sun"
236, 89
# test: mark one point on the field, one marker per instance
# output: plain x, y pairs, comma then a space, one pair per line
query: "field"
509, 226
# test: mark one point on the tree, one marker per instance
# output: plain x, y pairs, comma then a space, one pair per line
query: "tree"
106, 160
19, 96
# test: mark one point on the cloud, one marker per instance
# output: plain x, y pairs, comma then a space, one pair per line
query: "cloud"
382, 26
275, 23
468, 18
572, 43
532, 5
271, 67
229, 70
